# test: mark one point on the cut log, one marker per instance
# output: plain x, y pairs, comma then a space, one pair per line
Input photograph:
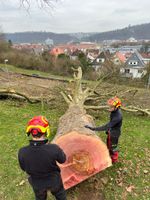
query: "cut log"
86, 153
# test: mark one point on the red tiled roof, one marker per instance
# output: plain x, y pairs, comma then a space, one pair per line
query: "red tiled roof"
127, 55
56, 51
121, 56
74, 47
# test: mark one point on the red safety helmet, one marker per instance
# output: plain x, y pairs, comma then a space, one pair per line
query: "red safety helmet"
115, 101
38, 124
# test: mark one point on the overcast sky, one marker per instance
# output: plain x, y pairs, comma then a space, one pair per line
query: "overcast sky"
74, 15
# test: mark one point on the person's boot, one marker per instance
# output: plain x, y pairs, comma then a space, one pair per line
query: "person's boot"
114, 157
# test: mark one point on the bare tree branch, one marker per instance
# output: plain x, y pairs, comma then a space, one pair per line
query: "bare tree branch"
99, 81
41, 3
136, 109
67, 100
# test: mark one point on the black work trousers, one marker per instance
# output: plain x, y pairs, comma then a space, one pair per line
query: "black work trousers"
112, 145
55, 187
41, 194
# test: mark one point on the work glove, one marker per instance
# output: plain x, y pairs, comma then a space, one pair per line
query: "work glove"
89, 127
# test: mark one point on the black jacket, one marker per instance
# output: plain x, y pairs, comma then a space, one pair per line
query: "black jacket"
38, 159
114, 125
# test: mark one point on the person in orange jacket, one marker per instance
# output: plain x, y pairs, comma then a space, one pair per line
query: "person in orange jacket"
39, 160
112, 128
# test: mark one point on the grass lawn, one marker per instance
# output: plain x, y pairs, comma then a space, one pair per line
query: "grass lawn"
129, 179
11, 68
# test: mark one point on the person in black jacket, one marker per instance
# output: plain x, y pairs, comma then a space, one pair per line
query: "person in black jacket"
112, 128
38, 160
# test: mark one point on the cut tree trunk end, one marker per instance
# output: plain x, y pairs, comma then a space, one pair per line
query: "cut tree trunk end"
86, 153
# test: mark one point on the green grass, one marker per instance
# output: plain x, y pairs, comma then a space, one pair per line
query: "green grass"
134, 160
13, 119
11, 68
130, 171
20, 70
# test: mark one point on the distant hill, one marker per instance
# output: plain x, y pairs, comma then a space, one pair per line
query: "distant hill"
39, 37
138, 32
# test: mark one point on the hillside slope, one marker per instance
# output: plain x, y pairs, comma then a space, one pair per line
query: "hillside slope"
138, 32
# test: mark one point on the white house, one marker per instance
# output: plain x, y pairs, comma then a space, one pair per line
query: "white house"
134, 66
100, 60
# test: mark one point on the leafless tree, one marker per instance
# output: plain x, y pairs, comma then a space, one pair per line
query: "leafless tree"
40, 3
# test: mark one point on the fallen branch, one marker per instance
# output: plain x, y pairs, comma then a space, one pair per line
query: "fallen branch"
17, 95
128, 109
112, 93
96, 107
144, 111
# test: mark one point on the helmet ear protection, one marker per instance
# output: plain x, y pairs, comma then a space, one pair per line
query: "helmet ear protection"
38, 126
48, 133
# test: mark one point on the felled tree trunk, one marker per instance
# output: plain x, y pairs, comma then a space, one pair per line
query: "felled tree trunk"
86, 153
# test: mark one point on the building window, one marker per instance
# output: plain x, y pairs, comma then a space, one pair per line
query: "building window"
140, 71
102, 60
127, 71
133, 63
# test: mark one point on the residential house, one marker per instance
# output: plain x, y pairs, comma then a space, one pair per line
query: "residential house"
79, 46
127, 55
134, 67
37, 49
92, 54
124, 49
56, 51
102, 58
129, 49
74, 55
119, 58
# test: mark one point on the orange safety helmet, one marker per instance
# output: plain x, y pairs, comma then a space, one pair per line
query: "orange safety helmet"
115, 101
38, 124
